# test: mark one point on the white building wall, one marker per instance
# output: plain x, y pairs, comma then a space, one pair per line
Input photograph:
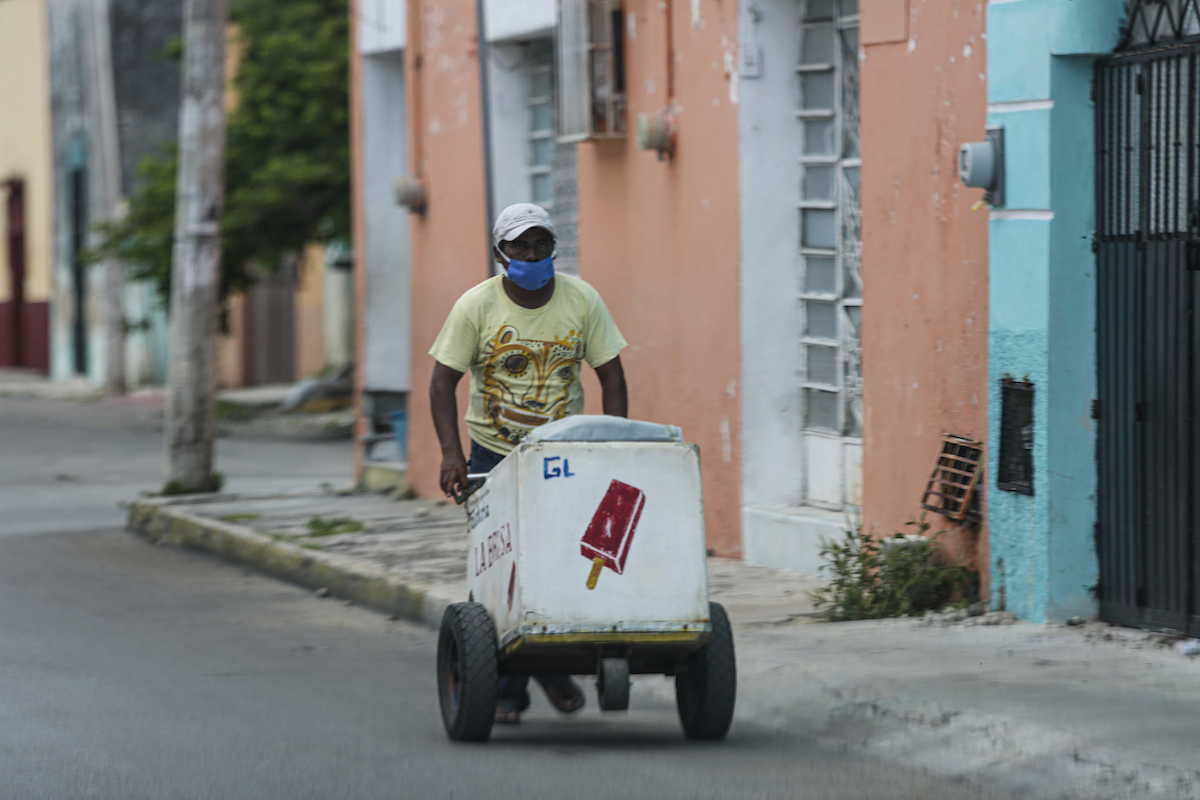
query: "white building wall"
387, 243
382, 26
78, 143
382, 29
337, 301
98, 130
511, 25
508, 79
770, 279
520, 19
147, 345
777, 529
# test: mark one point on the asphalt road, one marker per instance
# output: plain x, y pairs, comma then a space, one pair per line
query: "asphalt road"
129, 670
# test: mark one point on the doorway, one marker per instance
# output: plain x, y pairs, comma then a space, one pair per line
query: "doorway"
14, 326
1147, 326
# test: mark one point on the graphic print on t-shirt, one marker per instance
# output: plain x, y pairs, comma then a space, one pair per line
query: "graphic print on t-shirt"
527, 382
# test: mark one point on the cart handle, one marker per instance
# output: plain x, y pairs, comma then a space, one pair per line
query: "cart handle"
474, 481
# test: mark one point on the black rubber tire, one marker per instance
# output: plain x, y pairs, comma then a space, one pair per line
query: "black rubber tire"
612, 684
467, 672
706, 691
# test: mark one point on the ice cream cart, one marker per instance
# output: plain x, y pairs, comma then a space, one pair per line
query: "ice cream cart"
587, 556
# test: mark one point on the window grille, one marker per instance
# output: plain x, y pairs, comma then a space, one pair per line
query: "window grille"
1153, 23
591, 70
1015, 468
830, 217
953, 485
540, 100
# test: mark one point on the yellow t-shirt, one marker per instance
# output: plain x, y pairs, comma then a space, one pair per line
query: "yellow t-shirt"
525, 362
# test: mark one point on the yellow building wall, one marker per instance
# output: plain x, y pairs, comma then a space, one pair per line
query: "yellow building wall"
231, 362
310, 313
25, 139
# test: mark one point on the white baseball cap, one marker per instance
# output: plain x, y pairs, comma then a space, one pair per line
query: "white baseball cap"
518, 218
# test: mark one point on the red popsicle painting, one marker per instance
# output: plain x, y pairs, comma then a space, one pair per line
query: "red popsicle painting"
608, 536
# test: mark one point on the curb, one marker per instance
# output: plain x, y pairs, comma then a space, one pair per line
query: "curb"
167, 521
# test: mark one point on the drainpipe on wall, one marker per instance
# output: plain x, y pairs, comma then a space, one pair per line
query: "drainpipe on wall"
669, 10
485, 108
416, 93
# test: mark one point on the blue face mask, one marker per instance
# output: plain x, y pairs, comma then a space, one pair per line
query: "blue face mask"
531, 275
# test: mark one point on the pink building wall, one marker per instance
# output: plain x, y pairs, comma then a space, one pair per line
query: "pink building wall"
658, 239
449, 241
924, 92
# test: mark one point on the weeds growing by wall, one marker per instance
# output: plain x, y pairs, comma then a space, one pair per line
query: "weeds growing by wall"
904, 575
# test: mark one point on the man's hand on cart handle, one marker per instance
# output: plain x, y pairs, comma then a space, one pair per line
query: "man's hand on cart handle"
474, 482
454, 476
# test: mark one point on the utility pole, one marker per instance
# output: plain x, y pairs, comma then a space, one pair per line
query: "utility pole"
199, 200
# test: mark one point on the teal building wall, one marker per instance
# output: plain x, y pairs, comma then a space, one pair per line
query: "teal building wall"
1042, 295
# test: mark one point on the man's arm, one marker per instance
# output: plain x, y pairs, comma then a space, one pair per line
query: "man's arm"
444, 405
612, 388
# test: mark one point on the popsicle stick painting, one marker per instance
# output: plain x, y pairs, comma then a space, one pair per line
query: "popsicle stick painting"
512, 586
608, 536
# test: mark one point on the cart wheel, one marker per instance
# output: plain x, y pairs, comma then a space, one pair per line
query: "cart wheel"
706, 691
612, 684
467, 672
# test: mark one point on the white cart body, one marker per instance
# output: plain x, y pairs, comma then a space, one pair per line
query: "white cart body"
527, 566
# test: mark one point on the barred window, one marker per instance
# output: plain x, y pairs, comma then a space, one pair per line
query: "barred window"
1015, 469
830, 217
540, 99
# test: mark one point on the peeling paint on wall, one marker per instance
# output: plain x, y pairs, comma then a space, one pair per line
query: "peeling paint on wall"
920, 242
731, 70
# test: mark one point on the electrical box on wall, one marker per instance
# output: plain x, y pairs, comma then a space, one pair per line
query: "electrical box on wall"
411, 193
657, 132
981, 166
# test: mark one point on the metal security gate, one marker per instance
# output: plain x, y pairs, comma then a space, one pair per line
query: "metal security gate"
1148, 320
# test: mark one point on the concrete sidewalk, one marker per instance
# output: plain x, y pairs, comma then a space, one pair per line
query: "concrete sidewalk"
1091, 711
246, 412
27, 383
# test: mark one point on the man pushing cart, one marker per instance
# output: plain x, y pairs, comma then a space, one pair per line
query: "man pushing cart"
560, 491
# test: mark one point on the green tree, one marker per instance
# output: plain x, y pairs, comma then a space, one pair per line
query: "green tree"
287, 160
